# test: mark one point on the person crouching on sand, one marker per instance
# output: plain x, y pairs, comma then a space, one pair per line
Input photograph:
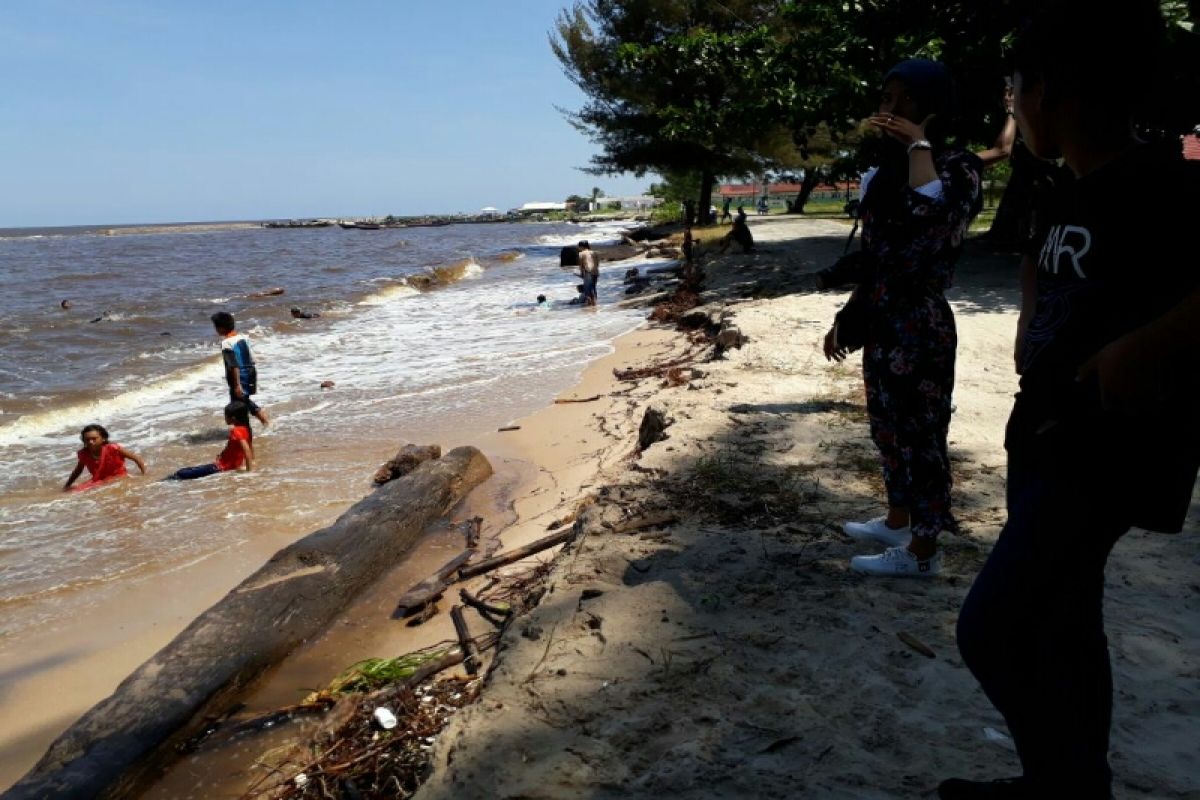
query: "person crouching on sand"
104, 460
239, 448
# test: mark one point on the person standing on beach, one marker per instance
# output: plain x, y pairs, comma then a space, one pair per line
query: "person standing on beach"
915, 211
589, 270
1103, 435
241, 373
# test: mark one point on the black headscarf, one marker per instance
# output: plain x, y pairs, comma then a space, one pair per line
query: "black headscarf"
929, 85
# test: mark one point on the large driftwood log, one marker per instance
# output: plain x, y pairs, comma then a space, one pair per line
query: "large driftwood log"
109, 751
409, 458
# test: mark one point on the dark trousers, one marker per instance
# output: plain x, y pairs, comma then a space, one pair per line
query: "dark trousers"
191, 473
1032, 627
909, 392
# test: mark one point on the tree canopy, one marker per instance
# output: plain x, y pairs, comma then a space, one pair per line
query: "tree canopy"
701, 89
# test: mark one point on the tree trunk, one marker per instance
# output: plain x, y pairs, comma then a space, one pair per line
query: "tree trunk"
707, 181
111, 750
811, 176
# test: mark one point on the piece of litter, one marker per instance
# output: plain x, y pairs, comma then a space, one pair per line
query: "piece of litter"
993, 735
385, 718
300, 780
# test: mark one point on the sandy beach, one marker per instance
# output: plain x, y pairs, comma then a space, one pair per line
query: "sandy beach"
704, 637
732, 654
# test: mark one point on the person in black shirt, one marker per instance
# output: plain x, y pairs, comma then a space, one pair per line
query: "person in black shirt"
1103, 435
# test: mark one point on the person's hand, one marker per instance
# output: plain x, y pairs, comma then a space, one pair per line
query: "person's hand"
1131, 373
238, 393
902, 130
833, 350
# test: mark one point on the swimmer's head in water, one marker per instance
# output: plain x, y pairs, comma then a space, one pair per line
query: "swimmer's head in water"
297, 312
223, 322
65, 304
541, 298
237, 413
94, 436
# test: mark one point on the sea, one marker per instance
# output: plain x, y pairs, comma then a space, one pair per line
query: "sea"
428, 335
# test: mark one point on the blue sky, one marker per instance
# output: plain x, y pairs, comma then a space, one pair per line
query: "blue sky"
125, 111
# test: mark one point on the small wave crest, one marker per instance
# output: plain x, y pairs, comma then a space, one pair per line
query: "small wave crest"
47, 422
456, 271
389, 294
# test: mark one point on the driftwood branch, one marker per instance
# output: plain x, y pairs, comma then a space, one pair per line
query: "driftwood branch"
564, 400
431, 588
501, 560
471, 529
657, 370
483, 607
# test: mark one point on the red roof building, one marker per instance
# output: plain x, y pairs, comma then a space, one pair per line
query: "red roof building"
1191, 147
736, 190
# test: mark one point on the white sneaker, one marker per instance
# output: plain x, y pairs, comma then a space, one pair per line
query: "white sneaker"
899, 562
876, 530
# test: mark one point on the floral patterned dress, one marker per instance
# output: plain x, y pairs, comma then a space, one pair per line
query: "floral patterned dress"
913, 242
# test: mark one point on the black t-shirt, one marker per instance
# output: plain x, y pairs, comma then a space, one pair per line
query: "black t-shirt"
1114, 251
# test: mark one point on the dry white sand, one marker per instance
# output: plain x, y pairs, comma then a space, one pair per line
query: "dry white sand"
733, 654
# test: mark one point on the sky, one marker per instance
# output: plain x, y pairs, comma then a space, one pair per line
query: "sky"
131, 111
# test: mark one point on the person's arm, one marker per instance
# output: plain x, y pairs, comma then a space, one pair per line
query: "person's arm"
232, 376
1002, 148
135, 458
235, 383
1028, 278
249, 451
74, 474
1149, 366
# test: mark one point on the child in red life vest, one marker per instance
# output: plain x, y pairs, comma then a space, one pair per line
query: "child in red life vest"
239, 449
103, 459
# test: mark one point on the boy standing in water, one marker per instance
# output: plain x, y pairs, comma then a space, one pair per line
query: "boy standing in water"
589, 270
240, 371
1104, 434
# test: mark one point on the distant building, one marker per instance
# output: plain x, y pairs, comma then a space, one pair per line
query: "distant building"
541, 208
639, 203
776, 193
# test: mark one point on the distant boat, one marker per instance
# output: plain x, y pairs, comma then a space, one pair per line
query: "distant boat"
348, 225
365, 226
